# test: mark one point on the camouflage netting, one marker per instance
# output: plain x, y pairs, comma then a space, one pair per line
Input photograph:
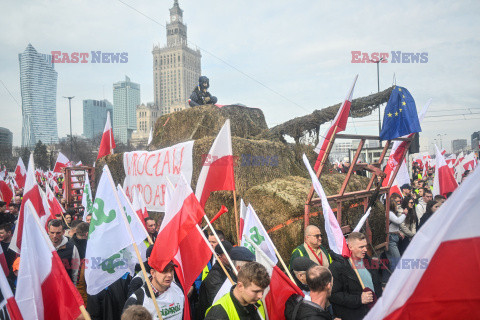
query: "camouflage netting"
298, 127
269, 172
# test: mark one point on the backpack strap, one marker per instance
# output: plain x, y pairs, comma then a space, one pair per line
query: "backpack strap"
298, 300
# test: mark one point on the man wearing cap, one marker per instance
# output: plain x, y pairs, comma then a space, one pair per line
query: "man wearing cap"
244, 299
299, 267
214, 280
312, 248
168, 294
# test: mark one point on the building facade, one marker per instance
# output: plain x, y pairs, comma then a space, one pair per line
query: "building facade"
126, 98
147, 115
476, 141
38, 85
176, 67
6, 143
459, 145
95, 116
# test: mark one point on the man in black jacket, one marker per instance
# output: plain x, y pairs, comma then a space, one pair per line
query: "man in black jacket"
200, 96
214, 281
320, 282
349, 300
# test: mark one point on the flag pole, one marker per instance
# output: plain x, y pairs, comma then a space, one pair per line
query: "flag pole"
131, 208
236, 217
356, 272
216, 256
84, 312
283, 264
144, 271
214, 234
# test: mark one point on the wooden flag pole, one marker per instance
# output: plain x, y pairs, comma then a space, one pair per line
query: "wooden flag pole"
144, 271
214, 234
85, 313
237, 228
284, 265
356, 272
216, 256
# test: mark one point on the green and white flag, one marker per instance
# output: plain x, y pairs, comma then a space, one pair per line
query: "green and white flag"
87, 201
256, 233
109, 255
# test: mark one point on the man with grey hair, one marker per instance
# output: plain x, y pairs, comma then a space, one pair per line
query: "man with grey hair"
312, 248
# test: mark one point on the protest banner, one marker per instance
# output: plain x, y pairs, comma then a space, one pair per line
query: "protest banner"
147, 172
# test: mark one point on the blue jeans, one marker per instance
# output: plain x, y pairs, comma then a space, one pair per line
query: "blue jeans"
393, 254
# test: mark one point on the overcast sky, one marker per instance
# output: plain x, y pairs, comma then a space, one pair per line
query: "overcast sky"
300, 50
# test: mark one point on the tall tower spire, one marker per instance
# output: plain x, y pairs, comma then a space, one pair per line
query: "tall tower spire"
176, 30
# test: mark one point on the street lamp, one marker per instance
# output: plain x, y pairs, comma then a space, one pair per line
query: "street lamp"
71, 136
440, 135
378, 88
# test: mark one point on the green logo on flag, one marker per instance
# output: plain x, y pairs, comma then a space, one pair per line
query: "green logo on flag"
88, 197
256, 237
98, 215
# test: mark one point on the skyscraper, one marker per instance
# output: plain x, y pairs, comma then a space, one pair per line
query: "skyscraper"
126, 98
95, 116
38, 84
176, 67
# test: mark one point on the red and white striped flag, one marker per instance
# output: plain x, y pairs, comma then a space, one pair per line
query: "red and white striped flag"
336, 239
6, 193
444, 181
182, 213
44, 290
217, 170
53, 204
108, 143
8, 304
423, 286
339, 124
31, 192
20, 173
62, 162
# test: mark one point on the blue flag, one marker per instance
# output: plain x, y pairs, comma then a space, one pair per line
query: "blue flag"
400, 117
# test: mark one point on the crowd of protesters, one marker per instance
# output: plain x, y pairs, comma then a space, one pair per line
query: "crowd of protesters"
332, 285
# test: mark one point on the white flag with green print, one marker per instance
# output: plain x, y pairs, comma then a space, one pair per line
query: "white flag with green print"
87, 201
109, 255
256, 233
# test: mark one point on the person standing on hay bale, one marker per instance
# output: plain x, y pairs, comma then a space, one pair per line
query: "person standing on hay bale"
312, 248
200, 96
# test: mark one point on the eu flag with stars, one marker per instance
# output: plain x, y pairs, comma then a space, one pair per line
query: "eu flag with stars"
400, 117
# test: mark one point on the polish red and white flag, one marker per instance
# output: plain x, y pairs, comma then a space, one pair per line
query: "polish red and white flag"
20, 173
62, 162
33, 193
182, 213
339, 124
108, 143
217, 169
336, 239
444, 181
8, 304
422, 285
44, 289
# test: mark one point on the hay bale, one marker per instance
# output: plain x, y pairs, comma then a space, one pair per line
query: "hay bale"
203, 121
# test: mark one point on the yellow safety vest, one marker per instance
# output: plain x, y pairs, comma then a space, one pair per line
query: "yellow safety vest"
227, 303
